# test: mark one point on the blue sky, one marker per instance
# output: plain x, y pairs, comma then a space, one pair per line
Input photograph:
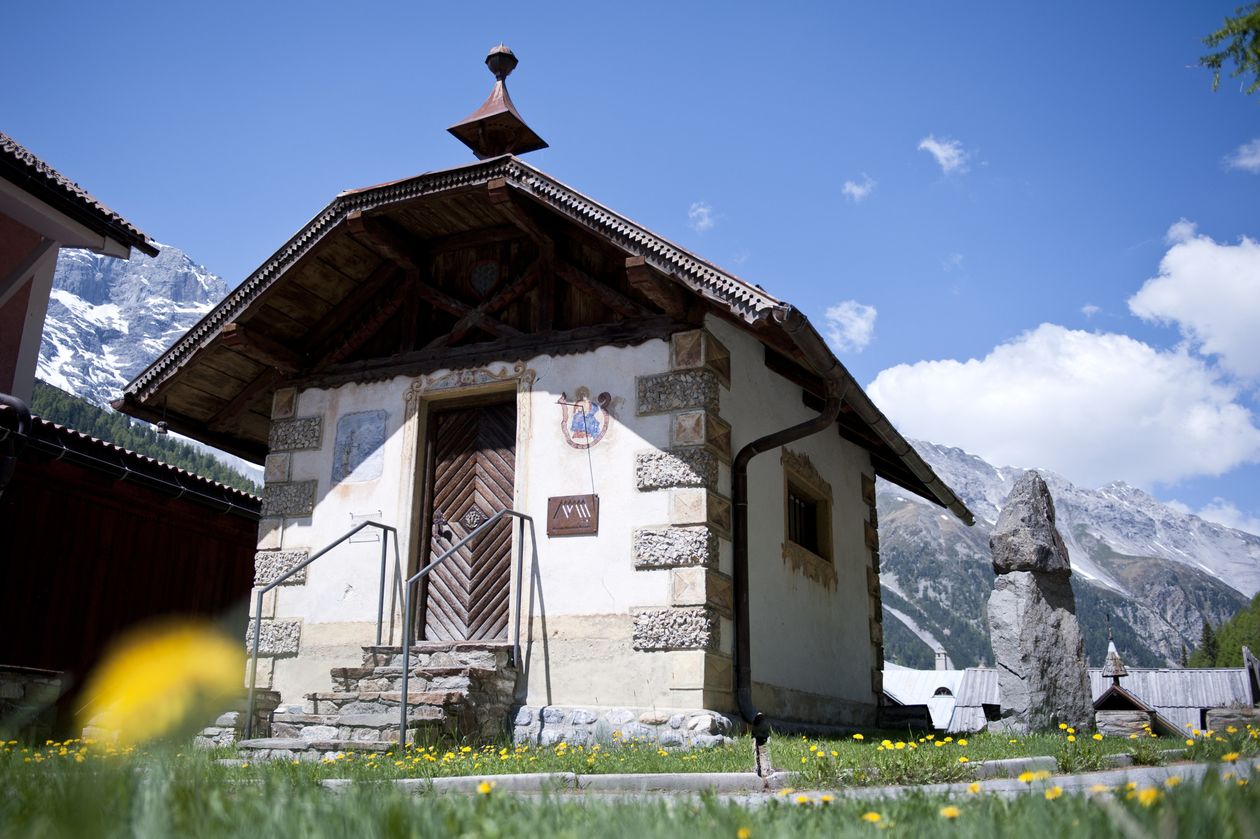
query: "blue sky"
977, 191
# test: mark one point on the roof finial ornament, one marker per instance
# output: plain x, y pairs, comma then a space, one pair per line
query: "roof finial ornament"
496, 128
1113, 667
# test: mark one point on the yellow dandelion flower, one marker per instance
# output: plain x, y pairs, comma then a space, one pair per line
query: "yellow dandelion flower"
950, 812
159, 677
900, 745
835, 753
1026, 777
826, 799
802, 799
804, 760
743, 833
1071, 731
963, 760
1053, 793
858, 737
1100, 788
887, 744
1229, 729
973, 787
1063, 726
1098, 736
949, 739
1131, 785
1148, 796
871, 816
962, 742
1071, 738
1242, 782
1189, 742
939, 743
1172, 781
1229, 757
485, 787
1131, 737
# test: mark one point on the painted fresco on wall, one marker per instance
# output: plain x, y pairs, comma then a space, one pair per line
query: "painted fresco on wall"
583, 420
358, 454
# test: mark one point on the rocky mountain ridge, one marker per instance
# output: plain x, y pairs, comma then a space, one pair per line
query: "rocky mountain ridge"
1154, 572
109, 318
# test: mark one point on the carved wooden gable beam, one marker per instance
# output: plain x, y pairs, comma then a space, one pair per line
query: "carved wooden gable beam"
607, 295
261, 347
505, 297
656, 287
503, 200
459, 308
385, 239
230, 414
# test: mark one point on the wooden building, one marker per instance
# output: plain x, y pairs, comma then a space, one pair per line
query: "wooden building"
428, 352
93, 538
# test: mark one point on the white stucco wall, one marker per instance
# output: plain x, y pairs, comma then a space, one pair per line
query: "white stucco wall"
805, 637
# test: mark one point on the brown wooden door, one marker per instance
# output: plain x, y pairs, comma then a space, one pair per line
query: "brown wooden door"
472, 462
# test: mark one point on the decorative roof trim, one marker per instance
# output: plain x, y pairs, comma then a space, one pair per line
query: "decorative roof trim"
743, 299
26, 171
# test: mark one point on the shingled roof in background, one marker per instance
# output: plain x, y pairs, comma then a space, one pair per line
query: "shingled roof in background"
26, 171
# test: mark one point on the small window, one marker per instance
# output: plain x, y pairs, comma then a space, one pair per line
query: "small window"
803, 517
943, 691
807, 510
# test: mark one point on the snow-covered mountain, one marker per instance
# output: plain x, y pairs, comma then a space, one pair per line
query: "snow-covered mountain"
108, 318
1156, 573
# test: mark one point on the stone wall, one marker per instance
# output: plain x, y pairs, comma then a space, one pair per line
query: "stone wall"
27, 703
552, 724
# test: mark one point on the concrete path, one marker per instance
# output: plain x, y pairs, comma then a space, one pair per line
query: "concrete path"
749, 789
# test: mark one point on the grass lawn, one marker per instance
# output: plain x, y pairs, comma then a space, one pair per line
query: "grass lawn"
860, 760
86, 791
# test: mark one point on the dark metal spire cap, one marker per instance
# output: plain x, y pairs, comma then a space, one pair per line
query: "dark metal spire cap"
496, 128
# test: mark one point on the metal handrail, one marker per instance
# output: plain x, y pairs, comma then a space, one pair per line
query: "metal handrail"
387, 530
415, 578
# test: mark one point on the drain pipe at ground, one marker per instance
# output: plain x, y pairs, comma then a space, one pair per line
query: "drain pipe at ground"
837, 382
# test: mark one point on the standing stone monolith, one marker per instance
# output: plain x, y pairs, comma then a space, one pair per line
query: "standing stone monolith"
1032, 617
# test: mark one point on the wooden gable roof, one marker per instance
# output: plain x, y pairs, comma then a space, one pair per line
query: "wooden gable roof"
492, 260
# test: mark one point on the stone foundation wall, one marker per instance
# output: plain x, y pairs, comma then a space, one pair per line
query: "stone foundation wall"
550, 725
229, 727
1121, 723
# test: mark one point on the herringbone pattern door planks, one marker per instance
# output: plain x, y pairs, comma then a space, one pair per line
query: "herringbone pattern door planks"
474, 462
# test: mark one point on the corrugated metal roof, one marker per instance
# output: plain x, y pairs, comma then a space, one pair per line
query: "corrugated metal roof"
979, 687
1181, 695
917, 687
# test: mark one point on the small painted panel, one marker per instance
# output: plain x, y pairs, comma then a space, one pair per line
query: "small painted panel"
359, 453
584, 420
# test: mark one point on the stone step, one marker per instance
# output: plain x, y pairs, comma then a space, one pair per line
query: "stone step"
487, 654
379, 702
360, 724
454, 677
297, 748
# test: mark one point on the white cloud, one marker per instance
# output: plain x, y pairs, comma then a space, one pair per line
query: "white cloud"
1089, 310
1246, 157
952, 262
1226, 513
1212, 292
949, 154
1094, 407
700, 214
859, 192
851, 325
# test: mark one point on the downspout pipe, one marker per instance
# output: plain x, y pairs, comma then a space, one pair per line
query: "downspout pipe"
14, 439
837, 382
